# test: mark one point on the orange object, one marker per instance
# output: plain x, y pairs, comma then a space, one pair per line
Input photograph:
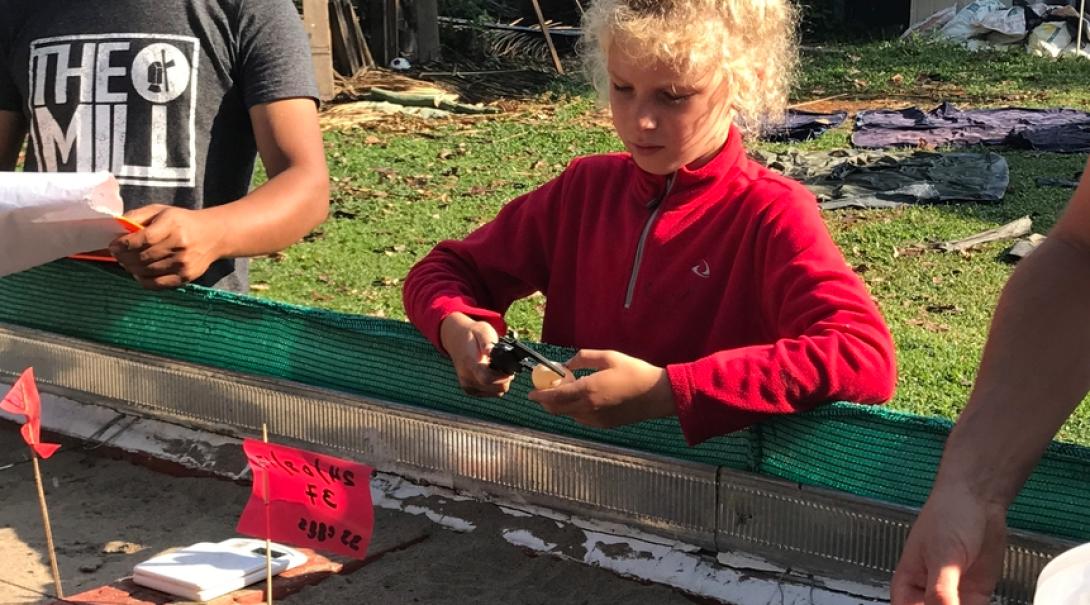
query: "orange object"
104, 256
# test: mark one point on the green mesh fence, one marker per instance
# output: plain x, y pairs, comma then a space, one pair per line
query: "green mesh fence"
866, 451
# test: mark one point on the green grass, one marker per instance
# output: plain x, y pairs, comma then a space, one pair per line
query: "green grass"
396, 194
917, 70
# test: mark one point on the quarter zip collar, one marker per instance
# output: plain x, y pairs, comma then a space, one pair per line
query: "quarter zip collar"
689, 183
655, 206
659, 193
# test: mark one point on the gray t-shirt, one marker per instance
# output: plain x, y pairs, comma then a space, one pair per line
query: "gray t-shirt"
157, 92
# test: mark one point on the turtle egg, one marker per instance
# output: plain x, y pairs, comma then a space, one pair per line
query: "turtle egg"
544, 378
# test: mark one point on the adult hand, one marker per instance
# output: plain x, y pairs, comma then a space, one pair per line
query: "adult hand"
623, 390
175, 247
954, 553
469, 343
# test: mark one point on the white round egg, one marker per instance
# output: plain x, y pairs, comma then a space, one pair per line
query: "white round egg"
544, 378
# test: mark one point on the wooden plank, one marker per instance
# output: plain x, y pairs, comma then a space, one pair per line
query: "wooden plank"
345, 55
365, 51
316, 22
1011, 230
427, 31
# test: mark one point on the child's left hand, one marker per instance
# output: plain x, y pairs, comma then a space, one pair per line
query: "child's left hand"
624, 390
175, 247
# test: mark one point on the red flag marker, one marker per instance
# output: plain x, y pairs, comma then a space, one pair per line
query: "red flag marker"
313, 500
23, 399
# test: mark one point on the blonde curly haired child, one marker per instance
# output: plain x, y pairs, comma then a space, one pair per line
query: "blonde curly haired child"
751, 43
694, 281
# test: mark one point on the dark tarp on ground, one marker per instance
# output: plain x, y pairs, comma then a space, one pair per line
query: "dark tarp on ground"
1059, 130
803, 126
867, 179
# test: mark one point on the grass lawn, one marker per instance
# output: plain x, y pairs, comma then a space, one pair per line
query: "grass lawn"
398, 189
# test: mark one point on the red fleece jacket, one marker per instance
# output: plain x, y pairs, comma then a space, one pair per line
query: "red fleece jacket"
725, 275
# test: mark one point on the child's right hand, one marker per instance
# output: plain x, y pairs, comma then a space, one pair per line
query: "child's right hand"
469, 342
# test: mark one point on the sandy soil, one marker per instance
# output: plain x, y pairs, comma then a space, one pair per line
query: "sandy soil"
108, 515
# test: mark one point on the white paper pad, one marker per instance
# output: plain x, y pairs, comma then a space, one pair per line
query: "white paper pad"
46, 216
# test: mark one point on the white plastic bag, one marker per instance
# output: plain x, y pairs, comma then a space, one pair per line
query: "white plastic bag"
1009, 22
46, 216
965, 24
1049, 39
982, 17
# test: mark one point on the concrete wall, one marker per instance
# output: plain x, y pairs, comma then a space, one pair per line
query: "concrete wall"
922, 9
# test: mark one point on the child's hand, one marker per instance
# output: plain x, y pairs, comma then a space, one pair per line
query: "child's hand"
624, 390
469, 342
175, 247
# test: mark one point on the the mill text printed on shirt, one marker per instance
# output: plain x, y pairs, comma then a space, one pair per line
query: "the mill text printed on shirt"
124, 103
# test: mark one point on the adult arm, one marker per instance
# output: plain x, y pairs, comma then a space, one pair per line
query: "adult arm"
1035, 371
178, 245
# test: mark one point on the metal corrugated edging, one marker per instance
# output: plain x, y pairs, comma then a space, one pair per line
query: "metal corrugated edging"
819, 531
664, 496
823, 531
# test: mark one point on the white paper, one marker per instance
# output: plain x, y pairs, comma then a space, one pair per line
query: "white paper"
46, 216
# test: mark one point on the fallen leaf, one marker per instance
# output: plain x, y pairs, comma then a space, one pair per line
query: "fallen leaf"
908, 252
929, 325
121, 547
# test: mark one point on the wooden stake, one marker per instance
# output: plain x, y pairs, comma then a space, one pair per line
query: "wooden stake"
821, 100
48, 527
548, 38
268, 543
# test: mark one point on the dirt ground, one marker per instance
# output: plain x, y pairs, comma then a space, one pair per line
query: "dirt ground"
108, 515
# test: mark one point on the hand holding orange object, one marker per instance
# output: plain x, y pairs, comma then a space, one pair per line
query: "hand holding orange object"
104, 255
622, 390
175, 247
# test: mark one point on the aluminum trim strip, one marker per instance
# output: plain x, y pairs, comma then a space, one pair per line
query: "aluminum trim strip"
825, 531
662, 495
717, 509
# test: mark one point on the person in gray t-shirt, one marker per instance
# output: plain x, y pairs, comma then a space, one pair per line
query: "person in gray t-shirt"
175, 98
